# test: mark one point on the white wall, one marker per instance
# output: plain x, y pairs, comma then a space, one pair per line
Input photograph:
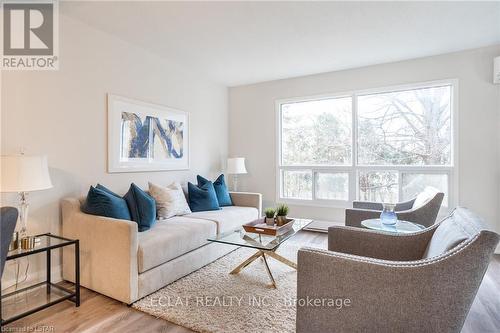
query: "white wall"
63, 114
252, 123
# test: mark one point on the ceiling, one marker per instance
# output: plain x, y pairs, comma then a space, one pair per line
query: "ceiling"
236, 43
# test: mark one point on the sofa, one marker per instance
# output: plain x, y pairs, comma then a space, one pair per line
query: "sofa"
118, 261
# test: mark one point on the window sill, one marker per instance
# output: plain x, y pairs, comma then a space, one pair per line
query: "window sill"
338, 204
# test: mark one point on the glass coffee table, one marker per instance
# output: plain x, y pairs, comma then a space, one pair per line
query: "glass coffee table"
265, 245
401, 227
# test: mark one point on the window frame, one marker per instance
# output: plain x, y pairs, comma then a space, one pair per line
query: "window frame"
354, 168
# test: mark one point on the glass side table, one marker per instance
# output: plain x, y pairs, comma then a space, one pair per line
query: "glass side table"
401, 227
11, 309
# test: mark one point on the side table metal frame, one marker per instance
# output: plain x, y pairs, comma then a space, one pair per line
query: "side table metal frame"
73, 296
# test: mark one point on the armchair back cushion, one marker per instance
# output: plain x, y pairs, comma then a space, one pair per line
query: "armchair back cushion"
461, 225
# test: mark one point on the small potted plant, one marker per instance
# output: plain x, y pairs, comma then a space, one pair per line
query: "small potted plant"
269, 212
281, 213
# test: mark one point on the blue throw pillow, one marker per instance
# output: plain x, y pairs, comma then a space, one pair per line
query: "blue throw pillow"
105, 189
142, 207
103, 203
202, 197
220, 189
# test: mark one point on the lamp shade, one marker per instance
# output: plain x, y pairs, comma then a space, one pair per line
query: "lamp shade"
236, 165
23, 173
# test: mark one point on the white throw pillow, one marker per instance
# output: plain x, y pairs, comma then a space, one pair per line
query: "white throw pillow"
424, 197
170, 200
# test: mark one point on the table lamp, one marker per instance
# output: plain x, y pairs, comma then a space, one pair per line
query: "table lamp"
22, 174
236, 166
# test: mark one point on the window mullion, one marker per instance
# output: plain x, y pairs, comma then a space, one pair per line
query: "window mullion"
400, 186
313, 185
353, 178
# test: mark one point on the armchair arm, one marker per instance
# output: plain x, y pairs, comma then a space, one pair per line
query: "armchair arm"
369, 295
406, 205
354, 216
425, 215
377, 244
247, 199
367, 205
108, 252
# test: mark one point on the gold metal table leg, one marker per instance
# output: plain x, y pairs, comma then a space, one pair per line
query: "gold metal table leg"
281, 259
262, 254
269, 271
247, 262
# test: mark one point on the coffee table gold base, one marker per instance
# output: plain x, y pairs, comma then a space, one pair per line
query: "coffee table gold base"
262, 254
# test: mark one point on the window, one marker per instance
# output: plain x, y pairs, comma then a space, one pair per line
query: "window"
384, 145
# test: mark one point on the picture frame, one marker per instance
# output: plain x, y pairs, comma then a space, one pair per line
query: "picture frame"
145, 136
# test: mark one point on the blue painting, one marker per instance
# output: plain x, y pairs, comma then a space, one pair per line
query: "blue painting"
151, 137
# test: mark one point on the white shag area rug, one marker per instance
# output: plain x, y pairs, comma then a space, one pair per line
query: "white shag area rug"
212, 300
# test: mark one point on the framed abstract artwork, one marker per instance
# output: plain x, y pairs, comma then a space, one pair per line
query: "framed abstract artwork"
146, 137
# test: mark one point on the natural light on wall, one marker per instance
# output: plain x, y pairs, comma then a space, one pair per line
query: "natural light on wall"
403, 141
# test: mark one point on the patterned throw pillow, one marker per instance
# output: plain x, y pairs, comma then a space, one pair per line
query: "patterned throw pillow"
170, 200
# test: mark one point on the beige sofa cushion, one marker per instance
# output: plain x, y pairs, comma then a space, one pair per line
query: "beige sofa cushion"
228, 218
169, 239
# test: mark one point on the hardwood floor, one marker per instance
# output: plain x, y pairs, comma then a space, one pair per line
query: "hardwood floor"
99, 313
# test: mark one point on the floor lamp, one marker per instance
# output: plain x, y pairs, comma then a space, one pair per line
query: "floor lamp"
235, 167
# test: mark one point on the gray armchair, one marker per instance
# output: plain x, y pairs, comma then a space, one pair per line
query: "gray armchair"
8, 220
420, 282
422, 210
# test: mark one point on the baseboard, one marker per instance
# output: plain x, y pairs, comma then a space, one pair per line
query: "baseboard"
33, 276
322, 226
325, 231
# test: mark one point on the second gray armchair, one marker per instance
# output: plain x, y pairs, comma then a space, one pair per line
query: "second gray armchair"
380, 282
422, 210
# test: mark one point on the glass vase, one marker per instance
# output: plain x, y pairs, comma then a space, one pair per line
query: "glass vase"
388, 216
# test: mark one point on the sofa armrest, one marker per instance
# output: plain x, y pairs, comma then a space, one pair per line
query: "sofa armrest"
377, 244
108, 252
247, 199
